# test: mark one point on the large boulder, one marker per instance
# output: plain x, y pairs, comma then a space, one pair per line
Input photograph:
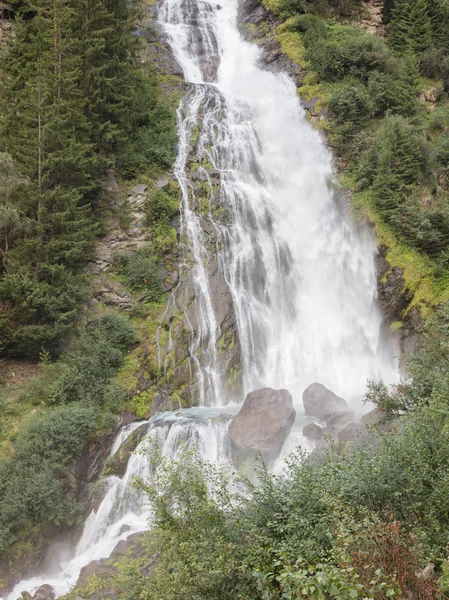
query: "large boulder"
319, 402
262, 425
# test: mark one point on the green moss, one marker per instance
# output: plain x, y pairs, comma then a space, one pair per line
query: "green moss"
292, 46
141, 404
110, 467
126, 377
396, 326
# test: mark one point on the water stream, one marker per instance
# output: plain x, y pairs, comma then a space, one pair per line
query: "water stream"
301, 276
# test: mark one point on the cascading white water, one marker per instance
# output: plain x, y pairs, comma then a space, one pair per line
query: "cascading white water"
123, 510
301, 277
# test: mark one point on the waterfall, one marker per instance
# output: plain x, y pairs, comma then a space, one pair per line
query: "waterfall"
301, 276
302, 279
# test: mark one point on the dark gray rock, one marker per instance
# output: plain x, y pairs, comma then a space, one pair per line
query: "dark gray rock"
310, 105
262, 425
339, 420
354, 432
138, 190
320, 402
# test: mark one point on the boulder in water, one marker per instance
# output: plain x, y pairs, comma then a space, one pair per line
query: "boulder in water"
45, 592
262, 425
312, 431
320, 402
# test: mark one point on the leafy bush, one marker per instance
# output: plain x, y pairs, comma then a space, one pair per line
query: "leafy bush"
84, 374
142, 272
312, 27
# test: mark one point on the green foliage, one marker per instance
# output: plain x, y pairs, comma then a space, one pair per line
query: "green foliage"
351, 101
317, 7
77, 101
36, 485
33, 485
399, 163
142, 272
162, 207
410, 28
347, 52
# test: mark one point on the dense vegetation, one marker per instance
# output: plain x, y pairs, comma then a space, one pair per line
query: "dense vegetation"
360, 522
76, 103
37, 486
78, 108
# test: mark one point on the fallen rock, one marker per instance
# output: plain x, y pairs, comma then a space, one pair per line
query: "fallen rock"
262, 425
45, 592
138, 190
320, 402
339, 420
354, 432
312, 431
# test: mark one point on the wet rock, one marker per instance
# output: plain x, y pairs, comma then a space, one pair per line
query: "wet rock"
339, 420
45, 592
133, 546
312, 431
123, 454
271, 52
262, 425
354, 432
105, 571
124, 529
320, 402
310, 105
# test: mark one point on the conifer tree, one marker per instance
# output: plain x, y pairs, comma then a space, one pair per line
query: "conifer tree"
105, 30
420, 27
399, 162
438, 11
47, 134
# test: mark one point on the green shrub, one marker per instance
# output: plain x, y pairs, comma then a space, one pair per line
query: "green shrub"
312, 27
161, 207
34, 485
141, 271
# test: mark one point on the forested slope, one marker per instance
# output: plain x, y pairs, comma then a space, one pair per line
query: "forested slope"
81, 107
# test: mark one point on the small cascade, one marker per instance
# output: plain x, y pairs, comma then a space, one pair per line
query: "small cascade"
123, 510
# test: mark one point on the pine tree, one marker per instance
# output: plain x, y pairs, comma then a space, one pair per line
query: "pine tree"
105, 30
48, 135
399, 24
409, 26
420, 27
438, 11
399, 163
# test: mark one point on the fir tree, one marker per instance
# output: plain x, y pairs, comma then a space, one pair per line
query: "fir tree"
409, 26
438, 11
